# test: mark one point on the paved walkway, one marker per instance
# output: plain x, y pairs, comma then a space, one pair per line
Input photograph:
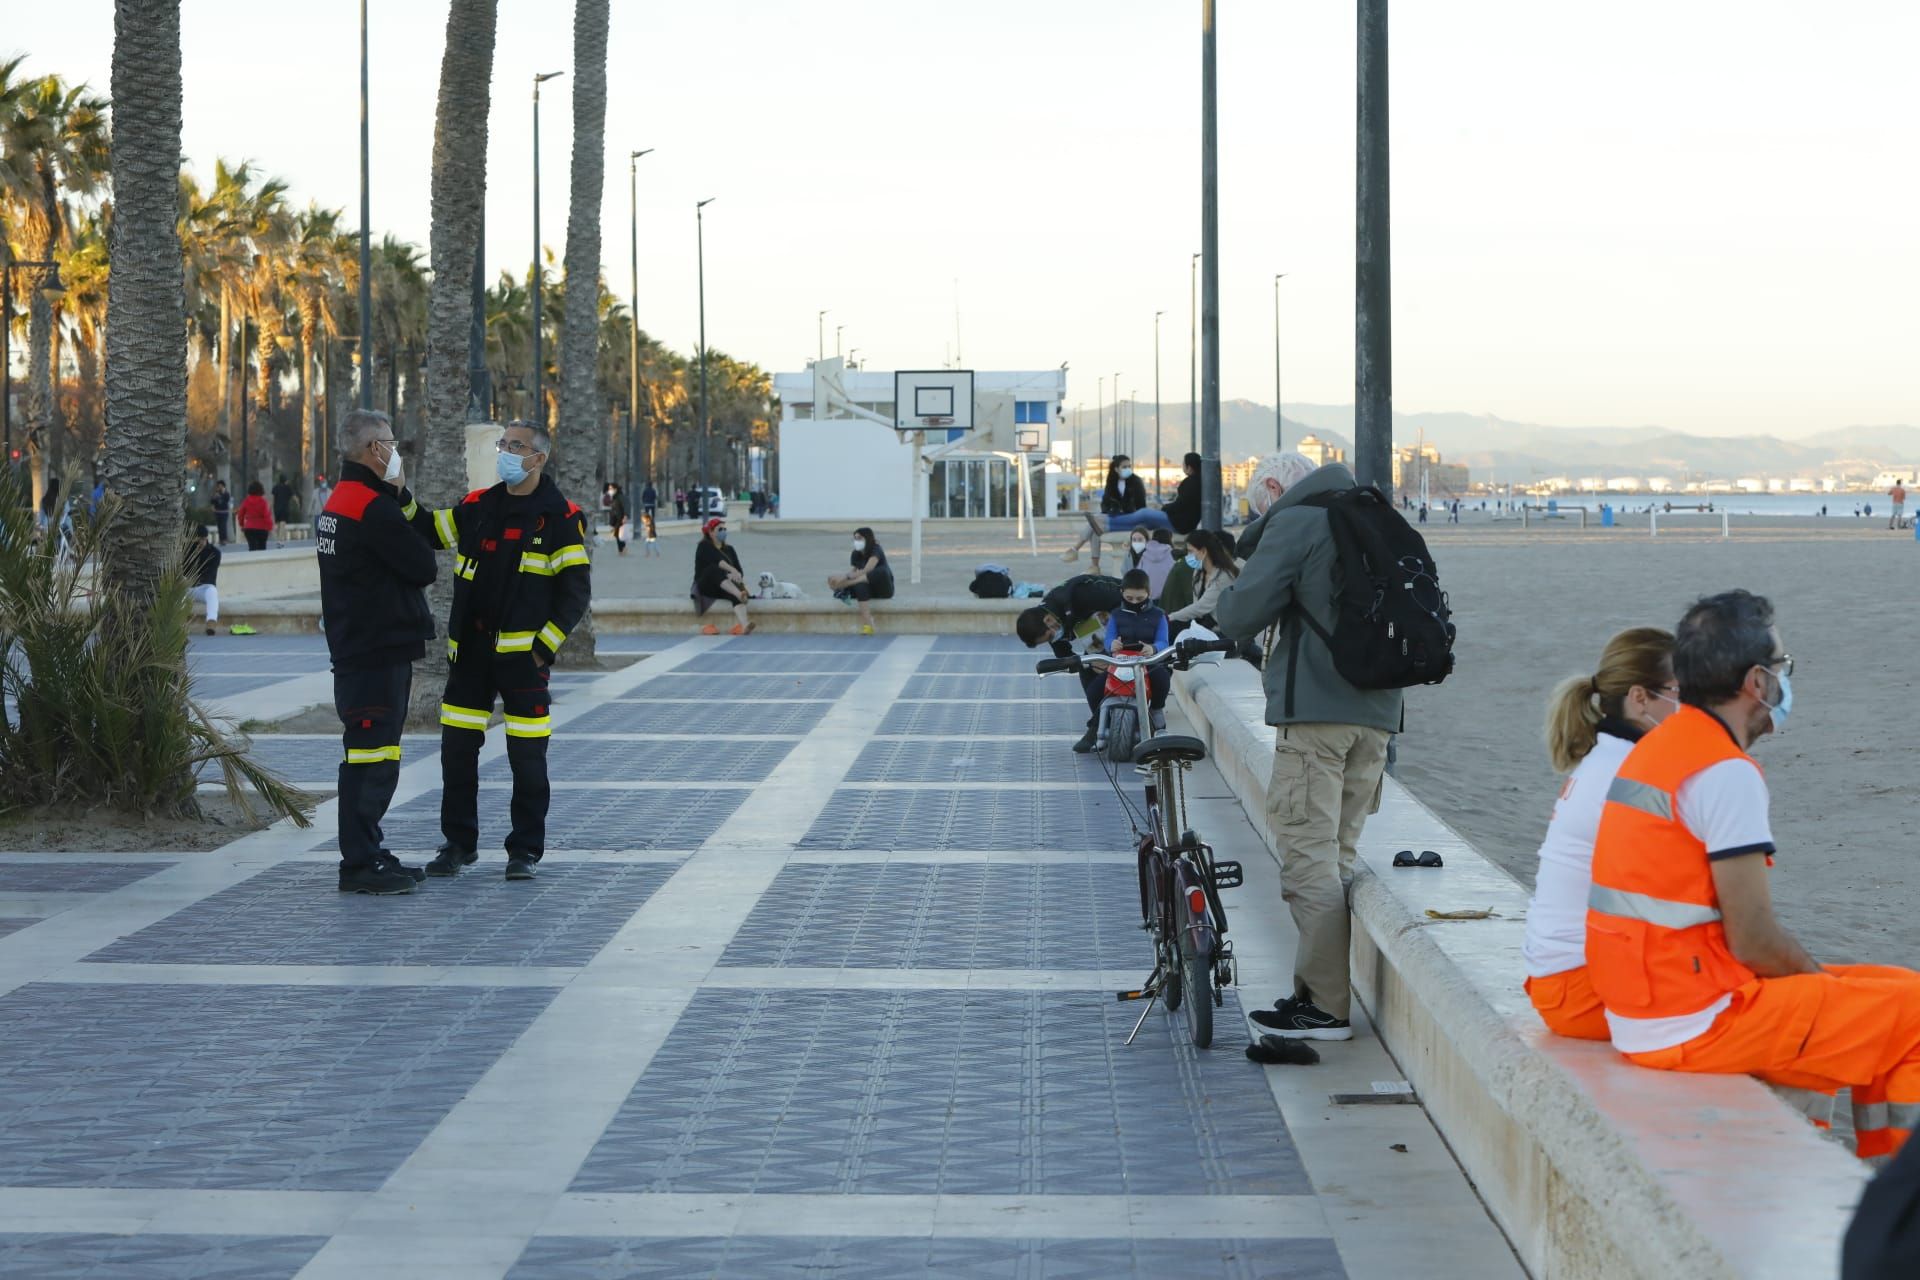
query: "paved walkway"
816, 981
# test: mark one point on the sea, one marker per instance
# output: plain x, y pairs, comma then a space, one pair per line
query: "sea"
1740, 504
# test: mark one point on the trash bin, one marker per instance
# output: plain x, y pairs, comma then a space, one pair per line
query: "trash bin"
1606, 516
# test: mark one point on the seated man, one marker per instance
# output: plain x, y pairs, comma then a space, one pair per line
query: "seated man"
1683, 948
1140, 622
1075, 609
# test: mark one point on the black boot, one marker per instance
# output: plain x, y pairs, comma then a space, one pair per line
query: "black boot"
375, 878
1086, 739
519, 868
449, 860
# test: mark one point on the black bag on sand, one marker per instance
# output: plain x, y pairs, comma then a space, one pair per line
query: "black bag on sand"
990, 584
1394, 628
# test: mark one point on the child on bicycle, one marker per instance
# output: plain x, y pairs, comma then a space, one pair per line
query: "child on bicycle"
1138, 623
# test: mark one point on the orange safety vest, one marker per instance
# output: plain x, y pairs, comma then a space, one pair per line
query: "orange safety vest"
1655, 944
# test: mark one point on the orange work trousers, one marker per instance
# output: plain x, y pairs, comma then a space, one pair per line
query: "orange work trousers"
1852, 1025
1566, 1003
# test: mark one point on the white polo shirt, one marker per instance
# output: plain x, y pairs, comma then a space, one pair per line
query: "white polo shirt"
1556, 938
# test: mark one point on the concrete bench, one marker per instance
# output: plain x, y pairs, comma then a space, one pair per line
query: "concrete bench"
253, 575
1592, 1166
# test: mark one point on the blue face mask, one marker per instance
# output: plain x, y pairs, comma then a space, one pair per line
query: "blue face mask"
1193, 562
509, 467
1778, 712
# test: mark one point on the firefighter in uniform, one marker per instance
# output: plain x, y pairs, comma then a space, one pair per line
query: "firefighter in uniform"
522, 582
372, 571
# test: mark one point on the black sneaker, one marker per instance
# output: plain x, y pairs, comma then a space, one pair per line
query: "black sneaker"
519, 869
448, 861
375, 878
391, 863
1086, 740
1302, 1020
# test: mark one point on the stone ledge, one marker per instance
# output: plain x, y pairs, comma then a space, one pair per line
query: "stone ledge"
927, 615
1592, 1166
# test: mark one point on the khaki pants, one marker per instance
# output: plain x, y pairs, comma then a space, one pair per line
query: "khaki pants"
1326, 780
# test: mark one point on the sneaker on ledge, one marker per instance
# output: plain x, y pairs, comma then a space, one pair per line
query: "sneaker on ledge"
1302, 1020
241, 629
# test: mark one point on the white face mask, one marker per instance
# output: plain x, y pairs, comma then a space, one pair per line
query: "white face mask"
392, 474
859, 544
1126, 473
1139, 545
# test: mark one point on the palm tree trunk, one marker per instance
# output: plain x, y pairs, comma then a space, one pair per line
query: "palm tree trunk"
459, 187
266, 429
580, 413
146, 297
39, 388
223, 429
309, 411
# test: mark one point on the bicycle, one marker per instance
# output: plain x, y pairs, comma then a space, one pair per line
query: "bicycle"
1180, 879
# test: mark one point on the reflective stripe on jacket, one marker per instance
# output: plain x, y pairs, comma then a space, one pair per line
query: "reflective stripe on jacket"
1656, 947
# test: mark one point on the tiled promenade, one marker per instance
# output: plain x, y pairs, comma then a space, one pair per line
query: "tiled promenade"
816, 981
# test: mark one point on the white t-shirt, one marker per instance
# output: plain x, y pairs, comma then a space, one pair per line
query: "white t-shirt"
1556, 938
1725, 807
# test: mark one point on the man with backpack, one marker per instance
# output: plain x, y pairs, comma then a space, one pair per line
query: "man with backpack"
1333, 678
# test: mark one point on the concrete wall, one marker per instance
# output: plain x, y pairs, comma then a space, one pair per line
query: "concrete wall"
1592, 1166
844, 469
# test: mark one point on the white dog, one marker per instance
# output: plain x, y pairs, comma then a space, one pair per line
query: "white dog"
771, 588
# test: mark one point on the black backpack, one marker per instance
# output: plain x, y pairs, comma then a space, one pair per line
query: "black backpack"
1393, 627
991, 584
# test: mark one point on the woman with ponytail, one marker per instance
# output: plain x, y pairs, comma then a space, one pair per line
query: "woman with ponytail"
1592, 723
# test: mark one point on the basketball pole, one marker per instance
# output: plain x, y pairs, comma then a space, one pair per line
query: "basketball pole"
919, 505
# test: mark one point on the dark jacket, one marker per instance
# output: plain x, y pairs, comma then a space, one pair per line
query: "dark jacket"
372, 571
880, 577
709, 569
1290, 565
522, 572
1145, 625
1183, 513
282, 502
1121, 499
203, 565
617, 512
1075, 603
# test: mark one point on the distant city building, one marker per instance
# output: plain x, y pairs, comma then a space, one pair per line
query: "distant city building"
1444, 480
1319, 452
1903, 474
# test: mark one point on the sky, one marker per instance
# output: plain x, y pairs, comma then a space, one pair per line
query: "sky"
1695, 215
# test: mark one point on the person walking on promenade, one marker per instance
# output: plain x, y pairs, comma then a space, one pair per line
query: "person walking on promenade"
650, 531
1592, 723
322, 492
1076, 609
282, 510
1684, 950
203, 575
717, 575
373, 570
869, 577
1331, 746
256, 517
1123, 508
649, 500
679, 504
1899, 496
523, 578
617, 518
223, 511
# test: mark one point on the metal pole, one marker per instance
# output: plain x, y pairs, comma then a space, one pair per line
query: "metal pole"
246, 459
633, 307
820, 335
700, 240
1210, 496
1116, 414
1193, 355
837, 331
539, 274
480, 406
1373, 262
1278, 432
366, 230
6, 359
1100, 417
1159, 489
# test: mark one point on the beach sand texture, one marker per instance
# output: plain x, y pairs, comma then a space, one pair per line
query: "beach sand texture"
1536, 606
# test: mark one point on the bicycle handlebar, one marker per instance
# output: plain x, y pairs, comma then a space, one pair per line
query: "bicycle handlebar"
1180, 654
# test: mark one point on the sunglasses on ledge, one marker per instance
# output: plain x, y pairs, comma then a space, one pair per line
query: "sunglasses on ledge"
1427, 858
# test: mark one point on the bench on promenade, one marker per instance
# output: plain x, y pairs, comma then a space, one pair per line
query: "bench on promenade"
1592, 1166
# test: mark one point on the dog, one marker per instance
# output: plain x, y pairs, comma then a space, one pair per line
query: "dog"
771, 588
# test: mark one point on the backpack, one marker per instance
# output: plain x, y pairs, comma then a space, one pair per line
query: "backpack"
1393, 627
992, 584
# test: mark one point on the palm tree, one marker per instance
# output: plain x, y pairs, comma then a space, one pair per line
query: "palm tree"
146, 333
459, 187
580, 419
54, 147
311, 273
247, 206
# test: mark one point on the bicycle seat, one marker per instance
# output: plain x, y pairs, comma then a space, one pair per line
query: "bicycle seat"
1169, 746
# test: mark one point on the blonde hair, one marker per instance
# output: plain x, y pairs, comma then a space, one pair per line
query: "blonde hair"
1637, 656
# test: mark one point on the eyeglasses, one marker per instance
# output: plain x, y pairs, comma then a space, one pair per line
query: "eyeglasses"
1784, 662
1427, 858
514, 446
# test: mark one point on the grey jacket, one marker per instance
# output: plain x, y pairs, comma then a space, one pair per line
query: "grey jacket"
1290, 561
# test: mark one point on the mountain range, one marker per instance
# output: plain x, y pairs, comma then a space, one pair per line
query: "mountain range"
1500, 451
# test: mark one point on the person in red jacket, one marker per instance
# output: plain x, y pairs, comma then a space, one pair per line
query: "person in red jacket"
256, 517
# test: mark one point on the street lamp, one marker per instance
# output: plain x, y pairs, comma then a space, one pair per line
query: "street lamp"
633, 307
820, 324
1276, 360
1116, 414
539, 276
1159, 489
1100, 416
837, 331
851, 353
700, 249
49, 288
1193, 355
366, 222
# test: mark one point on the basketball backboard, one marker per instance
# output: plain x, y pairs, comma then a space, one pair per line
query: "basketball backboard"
933, 400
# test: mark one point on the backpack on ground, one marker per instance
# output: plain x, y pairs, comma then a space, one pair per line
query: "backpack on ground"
1393, 627
992, 584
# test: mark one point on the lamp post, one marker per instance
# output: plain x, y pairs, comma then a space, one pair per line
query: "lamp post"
246, 460
1193, 355
1373, 266
539, 275
700, 246
633, 326
837, 331
1116, 414
851, 353
820, 325
1100, 416
366, 222
1210, 495
1277, 431
1159, 488
51, 288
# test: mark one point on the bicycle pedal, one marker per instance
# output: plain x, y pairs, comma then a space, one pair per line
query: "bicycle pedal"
1228, 875
1124, 996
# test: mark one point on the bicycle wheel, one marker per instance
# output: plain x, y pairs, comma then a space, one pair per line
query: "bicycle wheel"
1171, 992
1123, 735
1197, 975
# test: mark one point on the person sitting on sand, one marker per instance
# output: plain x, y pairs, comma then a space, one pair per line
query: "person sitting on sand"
717, 575
1592, 723
1695, 971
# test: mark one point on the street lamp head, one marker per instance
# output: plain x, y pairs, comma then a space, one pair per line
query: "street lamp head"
541, 77
637, 154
